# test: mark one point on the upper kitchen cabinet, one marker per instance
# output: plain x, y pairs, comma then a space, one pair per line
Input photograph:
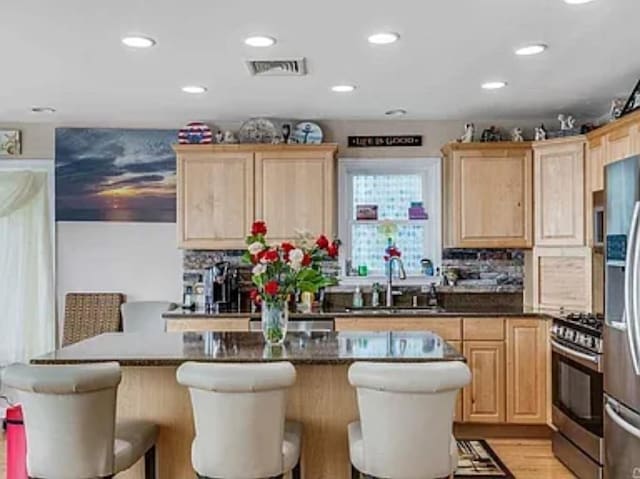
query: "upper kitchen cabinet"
222, 189
559, 192
619, 139
487, 195
215, 200
595, 163
295, 190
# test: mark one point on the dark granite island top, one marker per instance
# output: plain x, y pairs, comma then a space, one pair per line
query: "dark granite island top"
171, 349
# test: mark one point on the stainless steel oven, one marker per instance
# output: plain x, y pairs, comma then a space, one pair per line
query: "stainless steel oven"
577, 395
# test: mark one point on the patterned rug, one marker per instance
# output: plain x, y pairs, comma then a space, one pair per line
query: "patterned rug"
478, 460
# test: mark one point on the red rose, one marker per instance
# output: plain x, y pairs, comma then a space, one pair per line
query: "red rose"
255, 258
287, 248
258, 228
306, 260
255, 296
272, 287
332, 250
270, 255
322, 242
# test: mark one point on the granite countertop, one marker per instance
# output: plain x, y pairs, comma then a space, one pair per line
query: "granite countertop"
172, 349
382, 314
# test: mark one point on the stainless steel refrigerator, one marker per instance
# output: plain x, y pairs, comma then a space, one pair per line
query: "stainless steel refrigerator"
622, 321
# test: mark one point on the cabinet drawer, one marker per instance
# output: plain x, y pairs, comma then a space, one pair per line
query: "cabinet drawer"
447, 328
483, 329
202, 325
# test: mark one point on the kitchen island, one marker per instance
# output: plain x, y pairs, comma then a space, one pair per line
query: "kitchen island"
322, 398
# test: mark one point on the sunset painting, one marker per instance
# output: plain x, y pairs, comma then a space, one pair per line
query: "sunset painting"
105, 174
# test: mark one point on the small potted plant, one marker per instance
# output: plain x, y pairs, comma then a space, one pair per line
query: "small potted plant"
279, 271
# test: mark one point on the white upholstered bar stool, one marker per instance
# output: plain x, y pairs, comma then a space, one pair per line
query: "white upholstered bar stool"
240, 426
406, 419
145, 316
70, 422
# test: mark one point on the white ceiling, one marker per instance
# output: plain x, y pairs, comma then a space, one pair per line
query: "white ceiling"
67, 54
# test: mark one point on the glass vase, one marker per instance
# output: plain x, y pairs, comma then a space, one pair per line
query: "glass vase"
275, 318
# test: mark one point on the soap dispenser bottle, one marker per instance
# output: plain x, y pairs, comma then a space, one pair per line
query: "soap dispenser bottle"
357, 298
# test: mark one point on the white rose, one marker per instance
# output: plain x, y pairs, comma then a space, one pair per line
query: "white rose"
259, 269
255, 247
296, 255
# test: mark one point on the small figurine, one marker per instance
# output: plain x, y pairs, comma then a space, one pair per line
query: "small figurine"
286, 132
540, 133
229, 137
219, 137
617, 106
491, 134
469, 130
516, 135
276, 140
567, 122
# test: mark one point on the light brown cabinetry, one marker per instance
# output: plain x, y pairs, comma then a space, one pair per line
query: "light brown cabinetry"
559, 198
214, 198
295, 192
562, 278
449, 329
595, 163
484, 398
202, 325
487, 195
222, 189
527, 363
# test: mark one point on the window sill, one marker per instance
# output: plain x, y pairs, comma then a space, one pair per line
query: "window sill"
348, 283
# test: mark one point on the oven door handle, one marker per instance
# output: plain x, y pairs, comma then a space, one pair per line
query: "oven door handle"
619, 420
576, 354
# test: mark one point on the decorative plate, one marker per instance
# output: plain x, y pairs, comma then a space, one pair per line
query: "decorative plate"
257, 130
195, 132
307, 132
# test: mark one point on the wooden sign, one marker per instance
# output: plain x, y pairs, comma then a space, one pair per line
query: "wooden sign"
384, 141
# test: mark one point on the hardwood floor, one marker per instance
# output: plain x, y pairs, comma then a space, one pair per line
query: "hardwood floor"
527, 458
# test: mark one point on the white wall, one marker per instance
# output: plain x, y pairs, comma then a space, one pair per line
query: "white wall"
140, 260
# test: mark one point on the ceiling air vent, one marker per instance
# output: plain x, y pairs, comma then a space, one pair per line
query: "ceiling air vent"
295, 67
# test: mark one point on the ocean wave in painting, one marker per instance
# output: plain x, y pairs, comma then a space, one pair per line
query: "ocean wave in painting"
105, 174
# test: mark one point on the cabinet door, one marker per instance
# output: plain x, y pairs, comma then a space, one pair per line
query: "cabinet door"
562, 278
494, 190
527, 359
559, 194
484, 398
595, 160
295, 192
202, 325
215, 199
620, 144
458, 415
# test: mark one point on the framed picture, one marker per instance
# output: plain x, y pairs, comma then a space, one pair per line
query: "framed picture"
366, 212
10, 144
633, 103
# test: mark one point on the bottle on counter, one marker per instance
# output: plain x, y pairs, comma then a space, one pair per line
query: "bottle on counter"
375, 295
357, 298
187, 299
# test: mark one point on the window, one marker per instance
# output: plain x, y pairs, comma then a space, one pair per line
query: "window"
392, 185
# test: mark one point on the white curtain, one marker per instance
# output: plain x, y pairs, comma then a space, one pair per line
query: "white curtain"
27, 309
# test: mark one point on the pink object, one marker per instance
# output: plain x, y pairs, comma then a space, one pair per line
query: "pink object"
16, 444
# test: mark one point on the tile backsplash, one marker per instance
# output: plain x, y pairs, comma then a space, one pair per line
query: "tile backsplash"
484, 267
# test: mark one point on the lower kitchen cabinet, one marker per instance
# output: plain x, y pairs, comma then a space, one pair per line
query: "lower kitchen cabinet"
219, 325
458, 411
449, 329
484, 398
527, 347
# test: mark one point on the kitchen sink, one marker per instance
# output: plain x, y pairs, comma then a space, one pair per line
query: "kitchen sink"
394, 311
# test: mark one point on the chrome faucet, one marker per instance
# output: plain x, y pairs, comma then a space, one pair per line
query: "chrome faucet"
401, 275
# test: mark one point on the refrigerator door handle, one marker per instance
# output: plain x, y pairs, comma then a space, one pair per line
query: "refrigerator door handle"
620, 422
630, 294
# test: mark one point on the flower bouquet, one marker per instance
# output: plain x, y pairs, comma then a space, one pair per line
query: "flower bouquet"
279, 271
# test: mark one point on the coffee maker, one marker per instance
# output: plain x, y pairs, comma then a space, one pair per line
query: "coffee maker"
221, 289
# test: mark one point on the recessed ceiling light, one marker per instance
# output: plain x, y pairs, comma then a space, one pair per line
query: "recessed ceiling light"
577, 2
494, 85
396, 112
138, 41
195, 89
343, 88
43, 109
533, 49
383, 38
260, 41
